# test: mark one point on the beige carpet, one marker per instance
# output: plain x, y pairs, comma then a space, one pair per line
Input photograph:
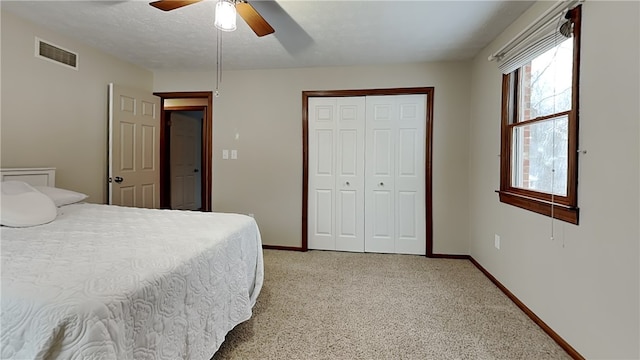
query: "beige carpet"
333, 305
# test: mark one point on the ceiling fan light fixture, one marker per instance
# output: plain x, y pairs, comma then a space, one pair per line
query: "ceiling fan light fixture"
225, 18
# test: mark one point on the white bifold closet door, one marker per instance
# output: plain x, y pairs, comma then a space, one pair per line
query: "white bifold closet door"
395, 174
367, 174
336, 173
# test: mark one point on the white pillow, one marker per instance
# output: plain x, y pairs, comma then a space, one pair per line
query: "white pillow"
21, 205
60, 196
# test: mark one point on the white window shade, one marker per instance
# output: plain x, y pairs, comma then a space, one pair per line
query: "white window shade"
540, 36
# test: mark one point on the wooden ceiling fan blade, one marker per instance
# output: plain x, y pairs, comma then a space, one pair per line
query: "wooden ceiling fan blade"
255, 21
168, 5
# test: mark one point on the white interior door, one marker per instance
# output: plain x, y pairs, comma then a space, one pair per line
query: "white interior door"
185, 160
134, 148
336, 173
395, 174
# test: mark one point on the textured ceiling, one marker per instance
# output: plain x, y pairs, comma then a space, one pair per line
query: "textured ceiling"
308, 33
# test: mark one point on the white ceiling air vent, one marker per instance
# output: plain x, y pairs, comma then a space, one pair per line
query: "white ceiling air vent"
48, 51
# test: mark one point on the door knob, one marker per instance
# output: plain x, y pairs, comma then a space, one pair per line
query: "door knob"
347, 183
118, 179
381, 183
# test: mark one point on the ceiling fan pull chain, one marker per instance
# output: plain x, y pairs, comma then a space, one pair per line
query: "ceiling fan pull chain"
218, 61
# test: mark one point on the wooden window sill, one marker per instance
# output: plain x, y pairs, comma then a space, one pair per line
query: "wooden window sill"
560, 212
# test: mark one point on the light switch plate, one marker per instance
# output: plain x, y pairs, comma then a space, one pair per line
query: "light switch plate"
225, 154
234, 154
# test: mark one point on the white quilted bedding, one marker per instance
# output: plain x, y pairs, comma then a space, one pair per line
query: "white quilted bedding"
108, 282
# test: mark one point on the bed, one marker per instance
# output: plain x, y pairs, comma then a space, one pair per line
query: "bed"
109, 282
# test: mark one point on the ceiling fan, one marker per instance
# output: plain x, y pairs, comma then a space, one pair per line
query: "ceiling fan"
255, 21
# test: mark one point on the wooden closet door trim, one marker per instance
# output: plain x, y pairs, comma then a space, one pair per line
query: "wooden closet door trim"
429, 92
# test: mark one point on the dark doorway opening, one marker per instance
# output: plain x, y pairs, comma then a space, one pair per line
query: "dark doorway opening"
186, 102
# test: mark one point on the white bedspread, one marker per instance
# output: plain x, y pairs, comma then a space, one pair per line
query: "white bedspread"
107, 282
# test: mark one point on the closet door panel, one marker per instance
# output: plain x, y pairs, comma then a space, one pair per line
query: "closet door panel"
410, 175
323, 205
336, 174
380, 236
382, 153
324, 149
379, 168
322, 158
407, 163
407, 205
347, 215
395, 196
348, 153
350, 174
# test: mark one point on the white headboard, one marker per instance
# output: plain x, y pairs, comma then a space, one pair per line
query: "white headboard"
33, 176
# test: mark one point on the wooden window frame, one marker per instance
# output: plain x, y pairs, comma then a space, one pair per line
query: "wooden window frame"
563, 208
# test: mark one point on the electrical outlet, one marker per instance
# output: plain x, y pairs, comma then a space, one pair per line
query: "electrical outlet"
496, 241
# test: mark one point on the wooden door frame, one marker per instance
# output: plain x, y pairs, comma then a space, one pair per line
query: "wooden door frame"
428, 91
207, 145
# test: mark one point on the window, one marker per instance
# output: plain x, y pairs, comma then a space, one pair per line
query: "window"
539, 132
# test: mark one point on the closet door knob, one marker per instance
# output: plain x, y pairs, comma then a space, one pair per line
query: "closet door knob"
347, 183
381, 183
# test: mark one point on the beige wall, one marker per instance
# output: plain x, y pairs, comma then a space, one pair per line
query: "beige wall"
584, 283
56, 116
264, 108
